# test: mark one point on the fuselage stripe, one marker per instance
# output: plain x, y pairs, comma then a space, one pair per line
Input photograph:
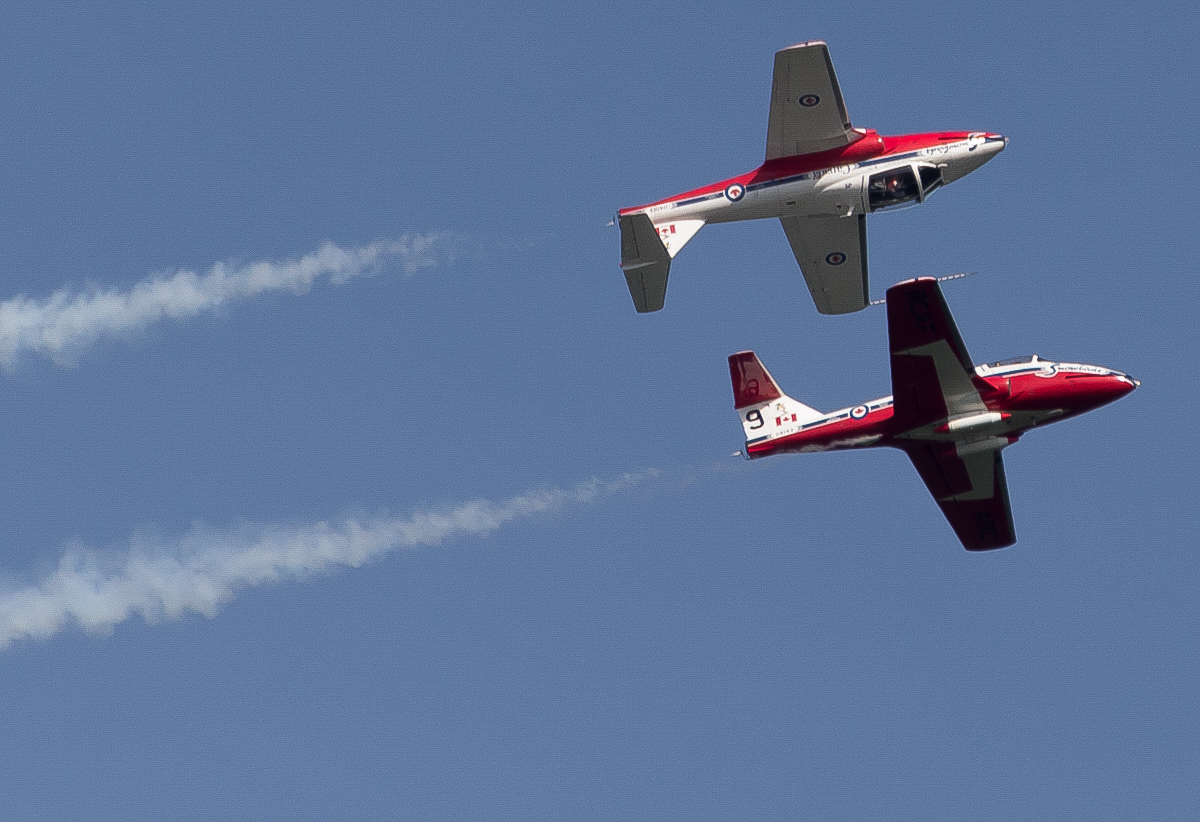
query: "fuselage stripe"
794, 178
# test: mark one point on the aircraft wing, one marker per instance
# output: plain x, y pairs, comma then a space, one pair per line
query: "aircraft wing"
971, 491
832, 253
645, 261
932, 375
807, 110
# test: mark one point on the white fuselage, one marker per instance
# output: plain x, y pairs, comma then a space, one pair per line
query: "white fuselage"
838, 190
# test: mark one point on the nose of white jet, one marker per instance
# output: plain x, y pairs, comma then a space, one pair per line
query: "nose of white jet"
987, 142
981, 147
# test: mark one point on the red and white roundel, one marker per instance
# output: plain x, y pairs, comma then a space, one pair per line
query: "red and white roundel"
858, 412
735, 192
809, 100
835, 258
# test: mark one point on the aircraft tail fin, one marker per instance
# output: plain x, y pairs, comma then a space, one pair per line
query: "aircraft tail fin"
762, 407
646, 254
645, 262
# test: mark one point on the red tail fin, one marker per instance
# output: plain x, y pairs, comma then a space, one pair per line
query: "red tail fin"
752, 384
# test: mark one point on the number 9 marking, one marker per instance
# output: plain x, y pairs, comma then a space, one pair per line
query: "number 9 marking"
755, 419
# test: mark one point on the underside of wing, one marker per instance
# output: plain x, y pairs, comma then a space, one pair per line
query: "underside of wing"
971, 490
932, 375
645, 262
832, 253
807, 110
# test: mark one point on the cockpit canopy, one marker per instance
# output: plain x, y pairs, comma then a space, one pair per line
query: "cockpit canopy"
1017, 361
1015, 364
931, 178
902, 186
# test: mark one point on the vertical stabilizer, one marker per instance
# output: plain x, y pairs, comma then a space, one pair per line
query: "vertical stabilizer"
645, 262
762, 407
646, 253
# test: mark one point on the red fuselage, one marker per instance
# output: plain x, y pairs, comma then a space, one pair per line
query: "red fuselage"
1018, 397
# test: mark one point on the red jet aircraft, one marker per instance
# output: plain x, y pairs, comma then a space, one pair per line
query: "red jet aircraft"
950, 417
821, 178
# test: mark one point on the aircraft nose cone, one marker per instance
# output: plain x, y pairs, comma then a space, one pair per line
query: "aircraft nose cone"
994, 143
1094, 391
981, 147
1115, 387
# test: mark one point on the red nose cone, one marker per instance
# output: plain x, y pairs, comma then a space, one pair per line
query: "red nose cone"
1096, 391
1122, 384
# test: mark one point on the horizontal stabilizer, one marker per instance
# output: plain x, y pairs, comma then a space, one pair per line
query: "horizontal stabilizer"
645, 261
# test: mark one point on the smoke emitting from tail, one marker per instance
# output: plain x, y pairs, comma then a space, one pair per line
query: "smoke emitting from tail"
67, 322
205, 569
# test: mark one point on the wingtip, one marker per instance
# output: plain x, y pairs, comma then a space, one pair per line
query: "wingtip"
805, 43
978, 549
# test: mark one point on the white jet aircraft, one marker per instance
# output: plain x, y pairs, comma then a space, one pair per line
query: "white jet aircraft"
821, 178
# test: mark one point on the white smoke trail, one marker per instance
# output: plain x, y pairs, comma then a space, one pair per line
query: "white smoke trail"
97, 590
65, 323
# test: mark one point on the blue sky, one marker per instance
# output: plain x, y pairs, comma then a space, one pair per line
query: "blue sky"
570, 602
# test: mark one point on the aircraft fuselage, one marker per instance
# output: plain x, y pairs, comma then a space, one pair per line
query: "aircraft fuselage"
873, 173
1018, 396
